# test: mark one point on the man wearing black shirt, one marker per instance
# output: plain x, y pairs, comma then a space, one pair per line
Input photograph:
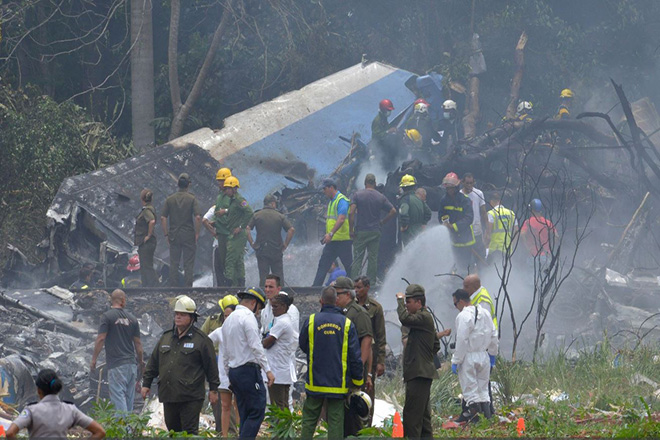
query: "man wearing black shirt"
119, 331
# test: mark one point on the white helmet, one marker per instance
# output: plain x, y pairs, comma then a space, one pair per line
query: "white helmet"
185, 304
525, 106
420, 107
449, 105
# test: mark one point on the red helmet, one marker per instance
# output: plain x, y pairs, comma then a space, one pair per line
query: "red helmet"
386, 105
421, 101
451, 179
133, 263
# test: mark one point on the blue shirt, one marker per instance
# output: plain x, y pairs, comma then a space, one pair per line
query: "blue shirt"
342, 205
338, 272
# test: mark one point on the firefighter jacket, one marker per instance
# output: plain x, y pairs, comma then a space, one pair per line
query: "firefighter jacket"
459, 212
333, 354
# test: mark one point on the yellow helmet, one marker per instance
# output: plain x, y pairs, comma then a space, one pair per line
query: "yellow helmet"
566, 93
414, 135
231, 182
228, 300
407, 180
223, 173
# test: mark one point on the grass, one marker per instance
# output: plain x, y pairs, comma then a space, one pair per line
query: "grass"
601, 392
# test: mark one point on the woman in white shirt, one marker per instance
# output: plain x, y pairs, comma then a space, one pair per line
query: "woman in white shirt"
226, 396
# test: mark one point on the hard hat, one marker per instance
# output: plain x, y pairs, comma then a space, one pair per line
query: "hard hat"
254, 292
525, 106
536, 205
133, 263
407, 180
414, 135
449, 105
228, 300
386, 105
566, 93
231, 182
359, 403
421, 108
185, 304
451, 179
421, 101
222, 174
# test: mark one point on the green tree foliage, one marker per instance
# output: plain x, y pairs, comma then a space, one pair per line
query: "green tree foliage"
44, 142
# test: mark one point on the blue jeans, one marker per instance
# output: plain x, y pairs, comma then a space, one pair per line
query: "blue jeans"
122, 380
250, 392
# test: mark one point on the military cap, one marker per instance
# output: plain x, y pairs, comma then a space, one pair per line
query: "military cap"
184, 176
344, 283
414, 291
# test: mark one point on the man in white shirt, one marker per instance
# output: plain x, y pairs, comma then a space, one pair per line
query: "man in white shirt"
479, 219
244, 358
208, 221
280, 344
272, 288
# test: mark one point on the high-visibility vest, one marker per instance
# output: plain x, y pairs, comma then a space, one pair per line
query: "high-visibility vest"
343, 233
500, 237
482, 296
327, 371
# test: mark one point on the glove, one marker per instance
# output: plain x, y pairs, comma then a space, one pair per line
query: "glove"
454, 368
492, 360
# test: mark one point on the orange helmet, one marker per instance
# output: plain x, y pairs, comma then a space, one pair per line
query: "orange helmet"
386, 105
451, 179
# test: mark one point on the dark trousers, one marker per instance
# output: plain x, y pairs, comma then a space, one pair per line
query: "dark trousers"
312, 412
187, 247
331, 251
352, 423
250, 392
366, 242
279, 395
183, 416
268, 264
147, 272
417, 409
219, 258
463, 258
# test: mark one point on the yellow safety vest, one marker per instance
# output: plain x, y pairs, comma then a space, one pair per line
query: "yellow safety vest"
500, 238
343, 233
482, 295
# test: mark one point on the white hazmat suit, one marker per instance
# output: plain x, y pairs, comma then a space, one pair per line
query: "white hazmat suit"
476, 338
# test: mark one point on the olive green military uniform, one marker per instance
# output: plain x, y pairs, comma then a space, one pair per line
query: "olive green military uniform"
413, 214
182, 366
359, 316
269, 223
375, 311
238, 216
222, 235
181, 208
212, 322
418, 367
146, 250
